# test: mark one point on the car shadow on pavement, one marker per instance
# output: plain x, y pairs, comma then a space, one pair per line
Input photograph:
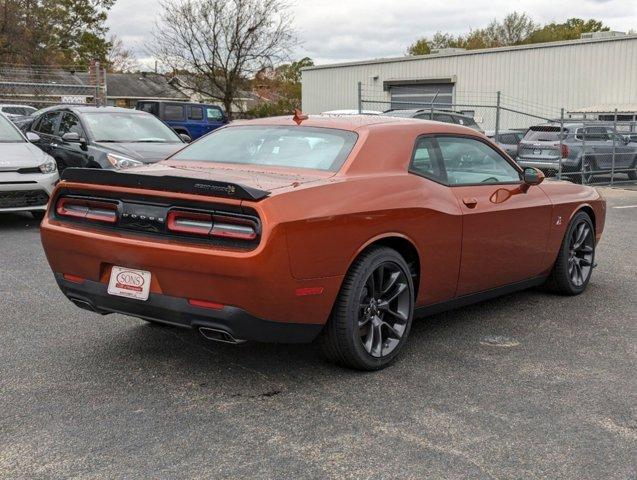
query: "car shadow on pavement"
18, 221
458, 332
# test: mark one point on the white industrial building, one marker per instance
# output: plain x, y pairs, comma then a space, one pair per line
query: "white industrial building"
599, 70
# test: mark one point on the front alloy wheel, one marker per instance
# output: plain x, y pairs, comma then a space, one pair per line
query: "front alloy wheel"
575, 261
372, 315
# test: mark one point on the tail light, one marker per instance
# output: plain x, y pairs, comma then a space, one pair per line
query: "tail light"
95, 210
213, 225
565, 151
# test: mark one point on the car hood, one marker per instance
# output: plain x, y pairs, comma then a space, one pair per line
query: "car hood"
144, 152
262, 178
20, 155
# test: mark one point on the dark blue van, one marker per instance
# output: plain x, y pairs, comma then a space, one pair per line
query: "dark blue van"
192, 119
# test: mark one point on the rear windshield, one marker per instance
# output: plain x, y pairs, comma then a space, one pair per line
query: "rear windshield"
543, 134
302, 147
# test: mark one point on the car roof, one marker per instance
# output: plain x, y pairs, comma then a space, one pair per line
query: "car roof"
79, 109
355, 122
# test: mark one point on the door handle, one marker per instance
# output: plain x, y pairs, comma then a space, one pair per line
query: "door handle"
470, 202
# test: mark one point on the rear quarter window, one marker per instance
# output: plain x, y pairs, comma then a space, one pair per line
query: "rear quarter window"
173, 112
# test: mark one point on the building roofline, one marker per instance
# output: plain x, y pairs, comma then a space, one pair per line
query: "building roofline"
482, 51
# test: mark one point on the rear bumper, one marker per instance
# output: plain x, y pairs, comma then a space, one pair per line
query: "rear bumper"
177, 311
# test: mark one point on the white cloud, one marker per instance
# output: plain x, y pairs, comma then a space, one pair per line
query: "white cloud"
341, 30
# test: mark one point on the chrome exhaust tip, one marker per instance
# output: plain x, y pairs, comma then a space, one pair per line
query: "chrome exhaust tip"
219, 336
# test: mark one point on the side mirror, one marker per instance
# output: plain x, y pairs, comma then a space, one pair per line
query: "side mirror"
71, 137
33, 137
533, 176
185, 138
626, 139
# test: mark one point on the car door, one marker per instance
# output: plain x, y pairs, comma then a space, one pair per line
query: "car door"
214, 117
197, 125
45, 127
70, 154
505, 226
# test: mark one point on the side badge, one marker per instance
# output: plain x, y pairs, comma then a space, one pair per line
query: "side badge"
558, 221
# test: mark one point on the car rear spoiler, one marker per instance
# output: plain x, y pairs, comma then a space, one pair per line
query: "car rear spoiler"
168, 183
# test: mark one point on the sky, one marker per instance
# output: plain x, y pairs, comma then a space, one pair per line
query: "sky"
344, 30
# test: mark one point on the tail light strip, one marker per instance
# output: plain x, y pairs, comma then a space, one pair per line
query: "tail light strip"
87, 209
223, 225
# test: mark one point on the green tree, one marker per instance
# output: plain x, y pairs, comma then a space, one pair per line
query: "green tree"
569, 30
515, 29
44, 32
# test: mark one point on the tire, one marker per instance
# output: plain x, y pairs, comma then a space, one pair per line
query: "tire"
38, 214
586, 178
632, 174
576, 254
365, 331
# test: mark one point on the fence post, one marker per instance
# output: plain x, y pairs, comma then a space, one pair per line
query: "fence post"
497, 116
559, 165
584, 135
612, 165
97, 84
360, 98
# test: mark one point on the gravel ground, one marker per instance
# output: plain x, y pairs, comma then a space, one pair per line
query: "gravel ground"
530, 385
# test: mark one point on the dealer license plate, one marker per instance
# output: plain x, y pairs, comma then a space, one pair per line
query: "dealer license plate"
130, 283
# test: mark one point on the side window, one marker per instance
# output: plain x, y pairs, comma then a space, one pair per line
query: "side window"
468, 161
425, 160
213, 113
70, 124
196, 113
423, 116
47, 123
150, 107
173, 112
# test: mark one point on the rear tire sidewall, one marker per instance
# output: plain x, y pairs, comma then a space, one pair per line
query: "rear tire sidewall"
369, 265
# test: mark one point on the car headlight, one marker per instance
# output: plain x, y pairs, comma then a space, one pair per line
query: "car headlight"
121, 162
49, 166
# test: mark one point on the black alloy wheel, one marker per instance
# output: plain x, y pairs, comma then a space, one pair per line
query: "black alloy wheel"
373, 312
576, 258
580, 254
384, 309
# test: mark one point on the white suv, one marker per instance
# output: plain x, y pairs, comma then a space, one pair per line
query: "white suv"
27, 174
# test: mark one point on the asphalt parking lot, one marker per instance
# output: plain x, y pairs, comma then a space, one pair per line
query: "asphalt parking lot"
531, 385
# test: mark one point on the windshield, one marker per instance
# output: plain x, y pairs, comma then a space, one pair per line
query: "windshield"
128, 127
9, 133
302, 147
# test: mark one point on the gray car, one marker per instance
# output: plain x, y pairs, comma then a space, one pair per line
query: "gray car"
445, 116
507, 140
584, 150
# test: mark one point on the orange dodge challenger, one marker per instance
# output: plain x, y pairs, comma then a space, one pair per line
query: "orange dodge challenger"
337, 228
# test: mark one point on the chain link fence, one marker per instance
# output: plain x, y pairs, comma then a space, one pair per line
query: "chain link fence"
563, 146
39, 86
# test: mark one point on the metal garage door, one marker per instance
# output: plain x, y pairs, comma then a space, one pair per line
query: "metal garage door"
421, 95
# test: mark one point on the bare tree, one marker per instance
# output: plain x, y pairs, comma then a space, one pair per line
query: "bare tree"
220, 44
120, 58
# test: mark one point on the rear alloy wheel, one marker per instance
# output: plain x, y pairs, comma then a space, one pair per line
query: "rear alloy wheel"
373, 313
576, 259
632, 174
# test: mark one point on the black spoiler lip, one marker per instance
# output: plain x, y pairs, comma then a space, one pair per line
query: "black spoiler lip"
167, 183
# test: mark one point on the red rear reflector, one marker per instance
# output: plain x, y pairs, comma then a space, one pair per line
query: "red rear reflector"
301, 292
189, 222
87, 209
73, 278
205, 304
565, 151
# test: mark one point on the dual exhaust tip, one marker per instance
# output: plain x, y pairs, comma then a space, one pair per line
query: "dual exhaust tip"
217, 335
